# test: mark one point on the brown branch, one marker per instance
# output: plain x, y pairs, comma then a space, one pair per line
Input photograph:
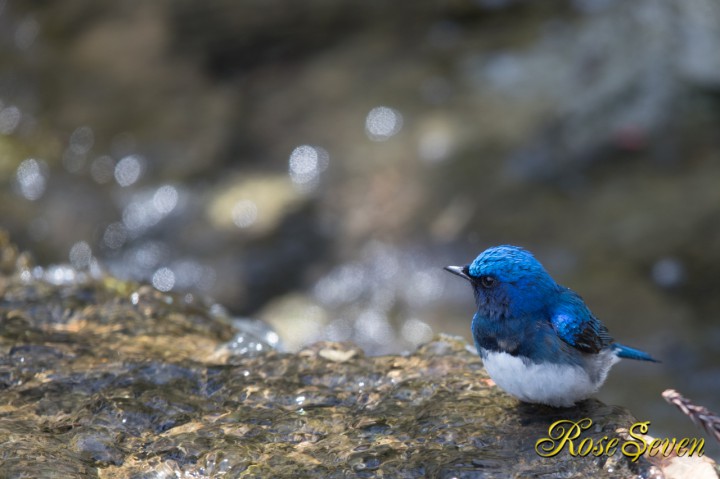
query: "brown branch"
703, 418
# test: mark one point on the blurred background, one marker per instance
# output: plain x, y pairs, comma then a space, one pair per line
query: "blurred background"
315, 164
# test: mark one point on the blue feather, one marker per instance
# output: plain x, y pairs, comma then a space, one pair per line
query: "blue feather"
538, 340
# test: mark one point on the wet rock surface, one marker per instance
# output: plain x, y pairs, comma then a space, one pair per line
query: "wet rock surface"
104, 378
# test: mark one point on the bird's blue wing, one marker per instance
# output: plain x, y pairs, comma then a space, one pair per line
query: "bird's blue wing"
575, 324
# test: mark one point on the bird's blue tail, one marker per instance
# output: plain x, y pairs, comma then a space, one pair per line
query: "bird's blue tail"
631, 353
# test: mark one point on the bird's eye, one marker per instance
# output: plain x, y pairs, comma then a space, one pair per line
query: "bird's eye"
487, 281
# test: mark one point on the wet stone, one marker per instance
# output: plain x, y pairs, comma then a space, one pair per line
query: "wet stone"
102, 378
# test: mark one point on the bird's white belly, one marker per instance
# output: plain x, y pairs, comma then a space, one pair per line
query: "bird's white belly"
551, 384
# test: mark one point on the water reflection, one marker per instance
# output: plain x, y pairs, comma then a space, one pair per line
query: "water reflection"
75, 155
62, 274
339, 330
423, 287
128, 170
9, 119
190, 274
115, 235
32, 178
80, 255
82, 140
145, 256
305, 165
383, 123
59, 274
416, 331
153, 260
375, 328
163, 279
376, 301
165, 199
148, 208
342, 285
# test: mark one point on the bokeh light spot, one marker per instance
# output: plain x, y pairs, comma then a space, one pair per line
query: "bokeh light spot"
304, 160
31, 178
306, 163
339, 330
82, 140
163, 279
382, 123
80, 255
375, 326
416, 332
165, 199
115, 235
135, 217
343, 285
9, 119
148, 255
128, 170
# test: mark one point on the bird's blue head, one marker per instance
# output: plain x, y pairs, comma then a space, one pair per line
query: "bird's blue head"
508, 282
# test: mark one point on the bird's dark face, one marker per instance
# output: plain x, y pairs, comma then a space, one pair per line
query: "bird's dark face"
508, 282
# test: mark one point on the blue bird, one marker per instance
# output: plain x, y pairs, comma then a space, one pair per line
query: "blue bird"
538, 340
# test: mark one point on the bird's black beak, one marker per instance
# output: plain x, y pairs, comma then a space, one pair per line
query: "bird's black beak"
458, 270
